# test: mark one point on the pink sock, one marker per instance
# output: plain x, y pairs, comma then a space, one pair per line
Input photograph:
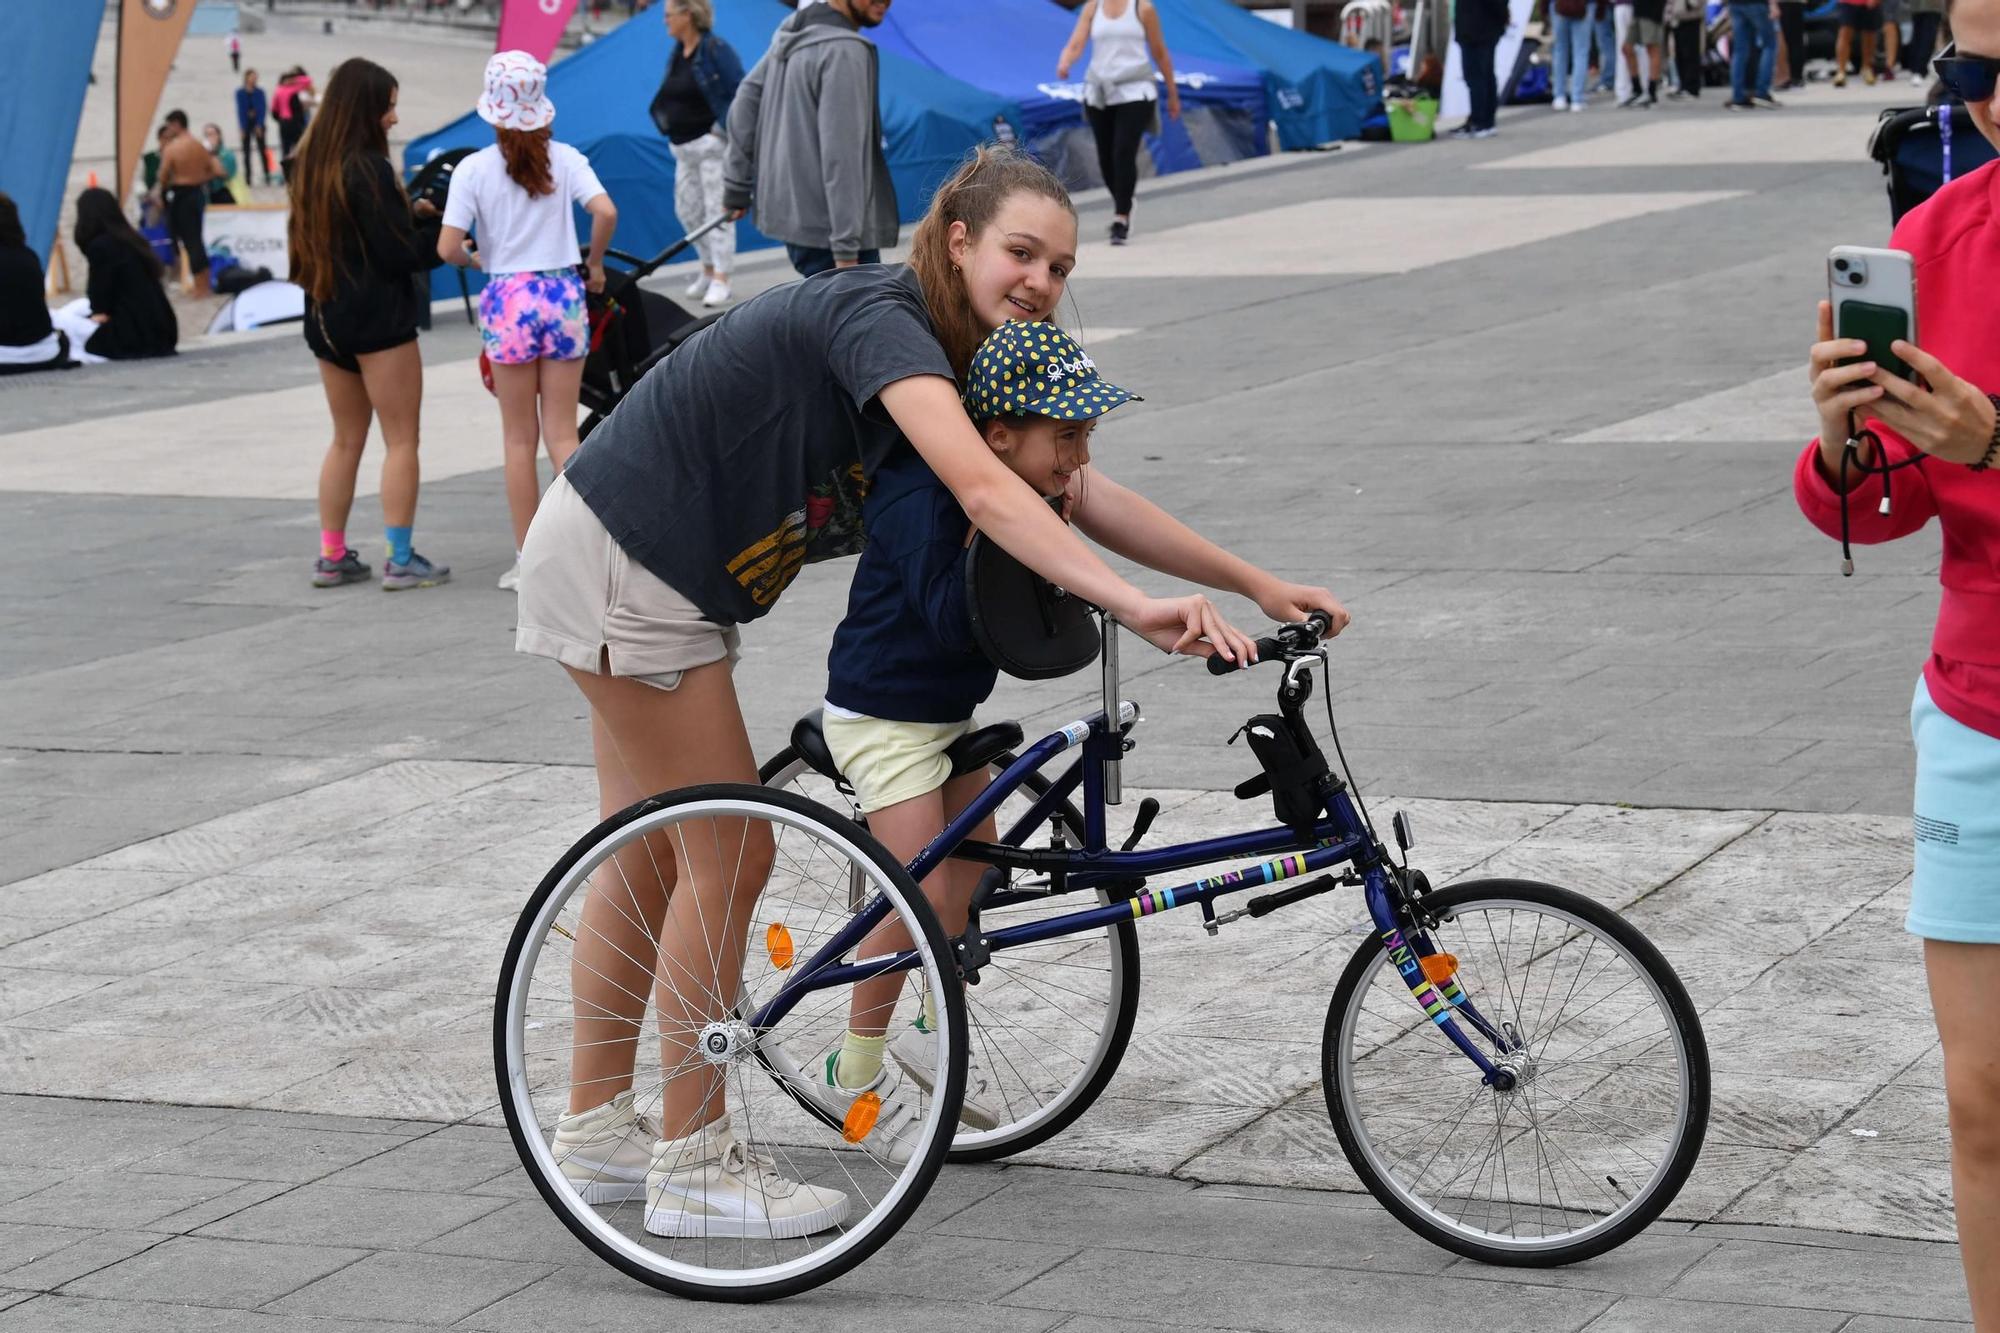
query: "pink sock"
332, 543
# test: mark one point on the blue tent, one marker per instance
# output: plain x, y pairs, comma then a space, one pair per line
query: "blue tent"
1320, 90
45, 65
603, 91
1010, 47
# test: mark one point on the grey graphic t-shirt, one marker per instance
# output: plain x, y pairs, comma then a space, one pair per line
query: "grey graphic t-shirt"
744, 456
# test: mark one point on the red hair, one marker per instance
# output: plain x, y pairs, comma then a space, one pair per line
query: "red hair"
527, 154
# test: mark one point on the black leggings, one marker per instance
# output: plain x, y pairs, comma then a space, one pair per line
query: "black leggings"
1119, 130
1688, 39
1917, 52
1792, 26
254, 159
185, 205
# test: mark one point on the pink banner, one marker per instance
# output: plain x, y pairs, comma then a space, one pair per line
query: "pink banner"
533, 26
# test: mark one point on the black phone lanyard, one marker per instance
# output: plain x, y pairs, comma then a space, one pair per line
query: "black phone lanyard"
1851, 457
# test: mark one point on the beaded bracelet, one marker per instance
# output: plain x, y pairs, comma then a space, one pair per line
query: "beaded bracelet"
1992, 454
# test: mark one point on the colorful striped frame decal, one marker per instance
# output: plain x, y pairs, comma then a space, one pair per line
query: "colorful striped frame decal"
1270, 872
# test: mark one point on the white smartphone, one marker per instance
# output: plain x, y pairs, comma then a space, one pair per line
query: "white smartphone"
1874, 296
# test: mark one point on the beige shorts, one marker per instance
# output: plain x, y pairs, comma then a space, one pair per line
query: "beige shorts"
888, 763
583, 600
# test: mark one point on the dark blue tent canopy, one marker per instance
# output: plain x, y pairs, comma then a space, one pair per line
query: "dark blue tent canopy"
1320, 90
1010, 47
603, 91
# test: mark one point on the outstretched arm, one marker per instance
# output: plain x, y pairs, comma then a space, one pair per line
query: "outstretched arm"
1073, 50
1125, 521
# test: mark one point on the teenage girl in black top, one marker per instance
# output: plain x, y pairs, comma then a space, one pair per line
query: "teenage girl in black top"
127, 303
358, 250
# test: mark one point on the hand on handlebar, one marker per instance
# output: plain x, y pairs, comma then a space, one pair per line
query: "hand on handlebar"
1297, 637
1181, 624
1289, 603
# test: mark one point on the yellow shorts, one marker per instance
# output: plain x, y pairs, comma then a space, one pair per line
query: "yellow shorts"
888, 763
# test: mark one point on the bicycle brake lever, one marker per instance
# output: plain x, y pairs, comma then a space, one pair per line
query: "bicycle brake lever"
1148, 809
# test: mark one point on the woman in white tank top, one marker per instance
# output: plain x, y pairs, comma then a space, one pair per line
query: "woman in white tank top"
1120, 99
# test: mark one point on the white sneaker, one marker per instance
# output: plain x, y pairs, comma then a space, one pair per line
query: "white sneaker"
605, 1152
698, 284
1575, 107
710, 1184
1560, 104
718, 294
1916, 80
511, 580
893, 1136
915, 1052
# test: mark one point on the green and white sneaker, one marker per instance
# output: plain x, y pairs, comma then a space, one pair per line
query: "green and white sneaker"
710, 1184
605, 1152
914, 1052
892, 1135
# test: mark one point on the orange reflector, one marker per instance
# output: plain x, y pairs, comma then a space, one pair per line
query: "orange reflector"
778, 943
1440, 967
861, 1117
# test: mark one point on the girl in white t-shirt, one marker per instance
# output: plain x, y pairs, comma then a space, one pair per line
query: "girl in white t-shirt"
517, 196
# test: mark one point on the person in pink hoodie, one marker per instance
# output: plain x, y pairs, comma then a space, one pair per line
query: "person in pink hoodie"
1942, 435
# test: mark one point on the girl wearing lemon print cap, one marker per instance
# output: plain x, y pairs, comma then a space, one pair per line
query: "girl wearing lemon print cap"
904, 675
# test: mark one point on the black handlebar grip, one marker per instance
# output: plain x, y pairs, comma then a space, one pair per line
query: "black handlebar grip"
1218, 665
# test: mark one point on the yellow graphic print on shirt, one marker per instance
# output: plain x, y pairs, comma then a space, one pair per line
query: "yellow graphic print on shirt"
829, 526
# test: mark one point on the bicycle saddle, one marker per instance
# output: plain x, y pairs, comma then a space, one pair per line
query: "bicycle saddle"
968, 754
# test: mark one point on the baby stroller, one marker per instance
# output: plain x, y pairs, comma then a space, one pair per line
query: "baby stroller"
632, 329
1921, 148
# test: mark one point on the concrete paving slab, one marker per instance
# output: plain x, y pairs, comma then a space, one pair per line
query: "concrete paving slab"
1642, 1314
199, 1270
69, 1314
1750, 1273
330, 1214
419, 1288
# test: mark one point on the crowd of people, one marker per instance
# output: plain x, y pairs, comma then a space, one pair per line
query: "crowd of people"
1657, 49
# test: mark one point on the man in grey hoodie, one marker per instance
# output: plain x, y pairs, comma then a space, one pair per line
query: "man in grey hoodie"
805, 140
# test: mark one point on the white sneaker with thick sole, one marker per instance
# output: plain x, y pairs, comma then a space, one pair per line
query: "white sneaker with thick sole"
511, 580
892, 1138
605, 1152
914, 1052
718, 294
698, 284
710, 1184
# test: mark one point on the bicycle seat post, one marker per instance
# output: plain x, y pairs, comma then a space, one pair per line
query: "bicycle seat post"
1114, 744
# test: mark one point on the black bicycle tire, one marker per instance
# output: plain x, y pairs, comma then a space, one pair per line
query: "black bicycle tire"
1684, 1016
954, 1015
1125, 935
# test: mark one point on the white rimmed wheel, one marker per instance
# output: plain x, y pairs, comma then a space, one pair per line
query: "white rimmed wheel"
1609, 1095
1048, 1022
730, 1171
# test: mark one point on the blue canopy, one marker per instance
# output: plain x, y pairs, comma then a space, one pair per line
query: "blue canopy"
1320, 90
45, 66
603, 91
1010, 47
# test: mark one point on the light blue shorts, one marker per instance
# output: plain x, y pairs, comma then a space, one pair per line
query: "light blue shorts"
1956, 893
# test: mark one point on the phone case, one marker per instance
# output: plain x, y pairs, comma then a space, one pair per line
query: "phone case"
1874, 295
1878, 326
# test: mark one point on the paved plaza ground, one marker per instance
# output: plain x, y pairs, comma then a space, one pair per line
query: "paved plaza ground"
1529, 405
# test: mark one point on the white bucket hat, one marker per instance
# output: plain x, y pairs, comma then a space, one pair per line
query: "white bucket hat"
514, 98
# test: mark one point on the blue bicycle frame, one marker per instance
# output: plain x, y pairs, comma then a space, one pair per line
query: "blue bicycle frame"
1341, 837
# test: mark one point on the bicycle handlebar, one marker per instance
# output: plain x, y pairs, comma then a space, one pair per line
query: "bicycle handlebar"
1290, 641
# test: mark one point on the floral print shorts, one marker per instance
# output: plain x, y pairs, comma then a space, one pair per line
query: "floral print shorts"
527, 317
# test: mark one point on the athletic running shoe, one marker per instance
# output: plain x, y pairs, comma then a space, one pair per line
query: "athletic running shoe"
511, 580
348, 569
714, 1185
1767, 101
892, 1137
1739, 106
1560, 104
418, 573
1119, 232
913, 1050
1486, 133
718, 293
1462, 132
605, 1152
698, 285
